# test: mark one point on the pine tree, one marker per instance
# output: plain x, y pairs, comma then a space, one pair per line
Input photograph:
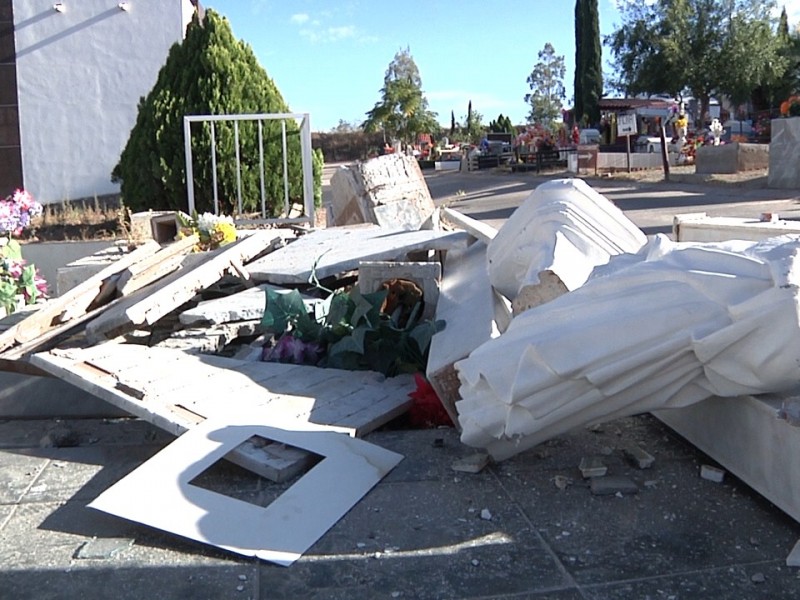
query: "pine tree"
403, 109
546, 83
209, 73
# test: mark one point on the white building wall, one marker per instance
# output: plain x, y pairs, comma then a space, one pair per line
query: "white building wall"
80, 75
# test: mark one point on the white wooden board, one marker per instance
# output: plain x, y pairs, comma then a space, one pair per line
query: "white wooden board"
175, 390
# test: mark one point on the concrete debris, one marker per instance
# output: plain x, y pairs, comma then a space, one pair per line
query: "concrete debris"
562, 482
613, 485
639, 457
758, 578
474, 463
163, 333
712, 473
103, 548
592, 466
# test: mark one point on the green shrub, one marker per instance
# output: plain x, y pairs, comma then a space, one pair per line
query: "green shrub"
209, 73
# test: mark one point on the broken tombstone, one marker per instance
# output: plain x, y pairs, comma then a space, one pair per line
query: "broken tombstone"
389, 191
554, 240
670, 326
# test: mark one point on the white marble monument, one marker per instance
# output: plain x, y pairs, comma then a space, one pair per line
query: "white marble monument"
671, 326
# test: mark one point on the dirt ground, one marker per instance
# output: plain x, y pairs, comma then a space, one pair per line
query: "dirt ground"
754, 179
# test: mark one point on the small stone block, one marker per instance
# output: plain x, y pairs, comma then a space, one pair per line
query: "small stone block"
613, 484
471, 464
639, 457
712, 473
592, 467
793, 560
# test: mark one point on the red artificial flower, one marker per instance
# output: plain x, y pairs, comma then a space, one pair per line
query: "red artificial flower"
427, 411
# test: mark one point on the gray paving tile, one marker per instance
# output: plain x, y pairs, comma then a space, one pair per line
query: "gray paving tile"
34, 433
735, 583
82, 473
683, 523
5, 513
429, 453
17, 473
101, 581
50, 535
608, 441
423, 540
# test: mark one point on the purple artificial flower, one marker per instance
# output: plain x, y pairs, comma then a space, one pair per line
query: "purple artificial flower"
289, 349
16, 212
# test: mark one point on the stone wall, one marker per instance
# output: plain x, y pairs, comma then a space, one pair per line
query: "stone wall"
784, 154
732, 157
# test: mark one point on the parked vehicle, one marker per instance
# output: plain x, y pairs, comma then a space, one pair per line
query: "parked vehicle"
589, 136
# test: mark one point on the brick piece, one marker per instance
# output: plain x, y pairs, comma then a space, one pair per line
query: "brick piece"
592, 467
613, 484
712, 473
471, 464
639, 457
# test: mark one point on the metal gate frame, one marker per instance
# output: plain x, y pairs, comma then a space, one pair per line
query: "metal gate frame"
305, 154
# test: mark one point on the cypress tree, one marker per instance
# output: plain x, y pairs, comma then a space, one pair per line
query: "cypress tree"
209, 73
588, 61
578, 109
593, 68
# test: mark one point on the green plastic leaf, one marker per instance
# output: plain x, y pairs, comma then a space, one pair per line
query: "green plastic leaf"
27, 283
12, 250
423, 333
382, 356
285, 309
367, 306
8, 296
351, 343
340, 309
351, 361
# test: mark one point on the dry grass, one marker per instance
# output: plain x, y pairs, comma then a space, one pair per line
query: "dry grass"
99, 218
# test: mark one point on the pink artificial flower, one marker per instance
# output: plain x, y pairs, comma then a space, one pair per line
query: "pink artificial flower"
15, 268
41, 284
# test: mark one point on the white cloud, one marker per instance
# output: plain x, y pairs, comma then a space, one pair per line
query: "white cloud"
340, 33
317, 30
259, 7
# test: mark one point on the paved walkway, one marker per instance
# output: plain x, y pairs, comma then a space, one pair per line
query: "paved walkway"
529, 527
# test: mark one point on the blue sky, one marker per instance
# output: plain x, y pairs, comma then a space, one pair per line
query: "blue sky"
329, 58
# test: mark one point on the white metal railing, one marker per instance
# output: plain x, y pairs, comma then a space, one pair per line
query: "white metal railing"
305, 154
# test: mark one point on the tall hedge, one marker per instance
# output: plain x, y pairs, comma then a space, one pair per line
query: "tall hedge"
209, 73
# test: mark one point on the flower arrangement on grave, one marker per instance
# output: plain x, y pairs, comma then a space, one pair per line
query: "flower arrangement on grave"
349, 330
791, 107
212, 230
763, 128
20, 283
